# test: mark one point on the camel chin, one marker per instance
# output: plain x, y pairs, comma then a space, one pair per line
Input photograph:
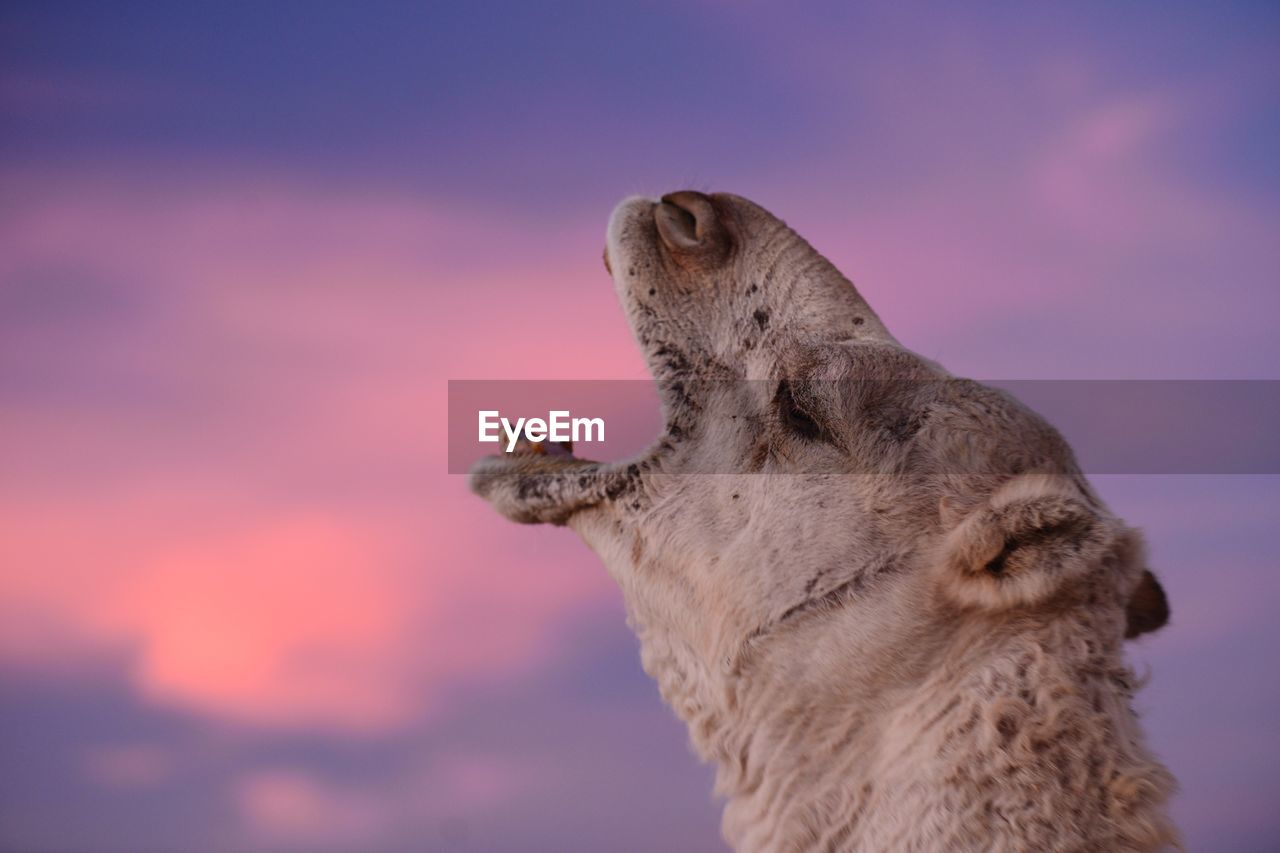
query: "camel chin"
886, 601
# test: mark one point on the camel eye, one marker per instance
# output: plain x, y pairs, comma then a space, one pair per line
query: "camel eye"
795, 419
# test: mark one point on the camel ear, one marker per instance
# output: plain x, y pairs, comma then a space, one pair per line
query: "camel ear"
1034, 537
1148, 608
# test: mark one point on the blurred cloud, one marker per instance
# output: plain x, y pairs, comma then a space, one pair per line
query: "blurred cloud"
235, 326
299, 621
295, 808
128, 765
291, 807
1102, 177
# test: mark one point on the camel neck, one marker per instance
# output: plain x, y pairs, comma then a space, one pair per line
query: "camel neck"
1030, 739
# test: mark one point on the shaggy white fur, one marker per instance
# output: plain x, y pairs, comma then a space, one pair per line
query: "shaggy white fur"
885, 601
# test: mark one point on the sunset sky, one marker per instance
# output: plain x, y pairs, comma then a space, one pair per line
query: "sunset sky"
244, 247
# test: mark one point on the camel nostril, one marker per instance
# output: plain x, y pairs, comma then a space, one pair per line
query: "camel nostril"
679, 223
687, 199
685, 219
697, 205
607, 267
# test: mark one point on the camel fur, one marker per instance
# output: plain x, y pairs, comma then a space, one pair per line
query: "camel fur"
885, 600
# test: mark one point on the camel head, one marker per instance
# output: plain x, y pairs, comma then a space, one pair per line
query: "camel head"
814, 472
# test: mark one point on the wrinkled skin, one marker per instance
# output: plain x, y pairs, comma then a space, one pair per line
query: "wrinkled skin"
885, 601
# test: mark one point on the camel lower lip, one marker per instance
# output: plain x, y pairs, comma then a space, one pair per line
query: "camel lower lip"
525, 447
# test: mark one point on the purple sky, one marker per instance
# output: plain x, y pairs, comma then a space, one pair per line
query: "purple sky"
243, 248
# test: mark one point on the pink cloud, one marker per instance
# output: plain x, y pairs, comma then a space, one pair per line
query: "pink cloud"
238, 483
1104, 176
293, 808
133, 765
300, 622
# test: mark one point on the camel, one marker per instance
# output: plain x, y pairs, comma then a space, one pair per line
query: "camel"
885, 600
